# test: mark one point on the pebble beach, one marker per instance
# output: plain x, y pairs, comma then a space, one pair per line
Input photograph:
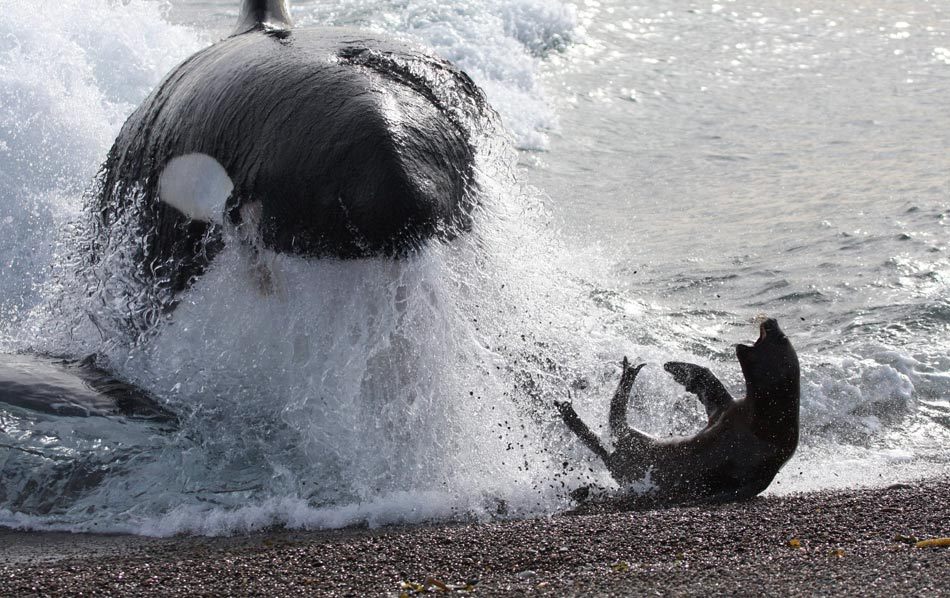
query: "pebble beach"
862, 542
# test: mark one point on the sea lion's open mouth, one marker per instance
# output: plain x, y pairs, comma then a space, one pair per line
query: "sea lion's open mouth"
743, 350
769, 332
770, 328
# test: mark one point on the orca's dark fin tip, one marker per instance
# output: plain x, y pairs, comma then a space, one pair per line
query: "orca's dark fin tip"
263, 15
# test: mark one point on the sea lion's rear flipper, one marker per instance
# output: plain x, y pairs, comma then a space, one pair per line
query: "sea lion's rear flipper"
702, 383
618, 404
264, 15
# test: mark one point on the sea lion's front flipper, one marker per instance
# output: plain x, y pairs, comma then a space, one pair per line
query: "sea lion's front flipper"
618, 404
580, 428
702, 383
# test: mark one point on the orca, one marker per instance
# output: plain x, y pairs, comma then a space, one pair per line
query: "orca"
316, 142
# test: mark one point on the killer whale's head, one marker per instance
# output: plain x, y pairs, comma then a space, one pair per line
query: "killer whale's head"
337, 143
374, 155
770, 366
312, 142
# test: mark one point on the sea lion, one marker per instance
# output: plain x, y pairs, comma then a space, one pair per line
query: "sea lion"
744, 444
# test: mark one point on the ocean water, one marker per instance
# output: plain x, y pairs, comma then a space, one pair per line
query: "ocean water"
668, 172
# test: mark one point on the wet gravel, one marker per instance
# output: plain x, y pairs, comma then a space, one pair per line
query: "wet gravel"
843, 543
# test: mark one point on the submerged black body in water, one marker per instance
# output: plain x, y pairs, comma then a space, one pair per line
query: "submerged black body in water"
316, 142
73, 388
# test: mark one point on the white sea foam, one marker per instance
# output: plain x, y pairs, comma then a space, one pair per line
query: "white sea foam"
68, 79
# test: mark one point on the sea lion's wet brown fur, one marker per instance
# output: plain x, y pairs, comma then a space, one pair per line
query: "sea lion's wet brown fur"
743, 445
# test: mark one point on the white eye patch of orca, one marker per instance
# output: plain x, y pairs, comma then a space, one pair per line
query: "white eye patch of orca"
197, 186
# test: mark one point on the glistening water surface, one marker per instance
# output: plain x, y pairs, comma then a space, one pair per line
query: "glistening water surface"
681, 168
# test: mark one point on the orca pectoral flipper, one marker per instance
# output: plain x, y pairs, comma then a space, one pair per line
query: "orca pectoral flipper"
71, 388
702, 383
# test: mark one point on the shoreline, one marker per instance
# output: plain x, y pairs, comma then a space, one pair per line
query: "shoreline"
856, 541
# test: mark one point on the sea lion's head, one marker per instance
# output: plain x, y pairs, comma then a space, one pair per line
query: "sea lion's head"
770, 366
